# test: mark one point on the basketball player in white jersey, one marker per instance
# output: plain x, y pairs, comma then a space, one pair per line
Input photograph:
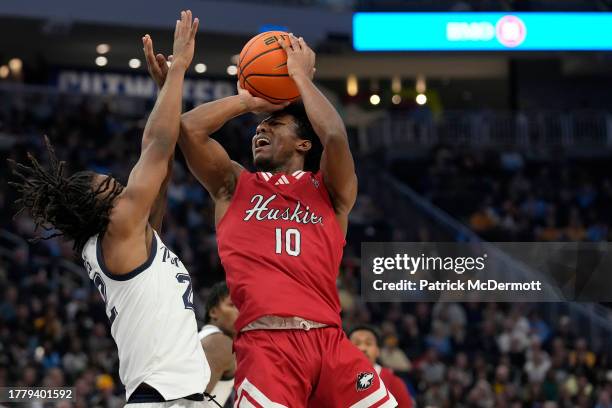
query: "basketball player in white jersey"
146, 288
216, 337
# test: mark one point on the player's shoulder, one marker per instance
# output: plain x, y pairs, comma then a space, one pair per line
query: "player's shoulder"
238, 168
208, 330
216, 342
89, 249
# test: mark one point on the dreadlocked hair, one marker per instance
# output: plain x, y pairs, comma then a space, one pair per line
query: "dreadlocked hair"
67, 205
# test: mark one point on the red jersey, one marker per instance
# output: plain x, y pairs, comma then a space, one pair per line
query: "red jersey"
396, 387
281, 246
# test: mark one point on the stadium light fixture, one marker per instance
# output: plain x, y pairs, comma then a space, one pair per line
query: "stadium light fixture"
421, 84
232, 70
374, 99
396, 84
134, 63
15, 64
421, 99
102, 48
352, 85
101, 61
396, 99
200, 68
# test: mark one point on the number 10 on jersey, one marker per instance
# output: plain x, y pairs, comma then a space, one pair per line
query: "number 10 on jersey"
292, 240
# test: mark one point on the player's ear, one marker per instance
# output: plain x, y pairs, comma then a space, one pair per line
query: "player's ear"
214, 313
304, 145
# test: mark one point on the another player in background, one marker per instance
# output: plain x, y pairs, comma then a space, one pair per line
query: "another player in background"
367, 339
146, 288
281, 233
216, 337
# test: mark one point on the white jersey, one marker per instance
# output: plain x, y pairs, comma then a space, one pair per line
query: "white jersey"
152, 321
223, 388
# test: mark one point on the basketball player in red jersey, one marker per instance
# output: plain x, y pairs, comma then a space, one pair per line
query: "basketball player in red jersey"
281, 233
367, 339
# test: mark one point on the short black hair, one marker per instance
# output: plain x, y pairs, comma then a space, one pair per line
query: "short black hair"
366, 327
306, 132
70, 205
218, 292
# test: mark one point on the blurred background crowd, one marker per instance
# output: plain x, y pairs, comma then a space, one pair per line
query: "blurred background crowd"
448, 148
54, 330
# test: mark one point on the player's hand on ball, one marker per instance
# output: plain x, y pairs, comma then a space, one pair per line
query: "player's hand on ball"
184, 39
300, 57
156, 64
257, 105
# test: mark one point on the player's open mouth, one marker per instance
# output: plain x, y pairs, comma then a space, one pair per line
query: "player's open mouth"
261, 141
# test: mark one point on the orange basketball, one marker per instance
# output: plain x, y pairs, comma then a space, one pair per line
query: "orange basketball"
262, 69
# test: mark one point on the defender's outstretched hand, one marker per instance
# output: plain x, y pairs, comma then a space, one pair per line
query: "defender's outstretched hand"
184, 39
156, 64
185, 34
300, 57
255, 104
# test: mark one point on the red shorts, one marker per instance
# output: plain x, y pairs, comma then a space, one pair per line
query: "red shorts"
298, 368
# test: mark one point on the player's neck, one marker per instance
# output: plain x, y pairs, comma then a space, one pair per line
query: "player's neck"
288, 168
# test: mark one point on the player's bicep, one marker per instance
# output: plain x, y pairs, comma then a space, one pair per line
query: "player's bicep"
211, 165
143, 186
338, 170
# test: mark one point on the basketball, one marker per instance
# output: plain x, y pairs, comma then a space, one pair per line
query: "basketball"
262, 69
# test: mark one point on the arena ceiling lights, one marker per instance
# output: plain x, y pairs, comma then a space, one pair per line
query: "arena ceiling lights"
482, 31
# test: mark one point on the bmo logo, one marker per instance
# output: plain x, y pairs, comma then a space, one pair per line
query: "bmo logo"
511, 31
476, 31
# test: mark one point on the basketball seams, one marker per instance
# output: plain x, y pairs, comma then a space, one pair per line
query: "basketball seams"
251, 42
268, 96
265, 75
259, 55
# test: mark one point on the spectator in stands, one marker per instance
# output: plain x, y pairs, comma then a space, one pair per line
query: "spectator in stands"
604, 400
537, 365
366, 339
392, 356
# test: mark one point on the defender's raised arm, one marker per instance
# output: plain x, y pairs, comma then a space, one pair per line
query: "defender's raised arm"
160, 133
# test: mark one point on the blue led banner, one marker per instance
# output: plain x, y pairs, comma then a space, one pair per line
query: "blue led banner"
485, 31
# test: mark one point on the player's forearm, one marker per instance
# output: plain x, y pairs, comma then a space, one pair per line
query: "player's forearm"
162, 128
324, 118
159, 206
209, 117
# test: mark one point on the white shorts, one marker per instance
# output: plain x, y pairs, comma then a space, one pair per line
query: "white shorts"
179, 403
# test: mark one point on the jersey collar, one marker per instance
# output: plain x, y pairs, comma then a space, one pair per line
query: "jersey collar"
281, 178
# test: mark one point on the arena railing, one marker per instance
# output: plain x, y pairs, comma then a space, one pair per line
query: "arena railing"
584, 130
523, 131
